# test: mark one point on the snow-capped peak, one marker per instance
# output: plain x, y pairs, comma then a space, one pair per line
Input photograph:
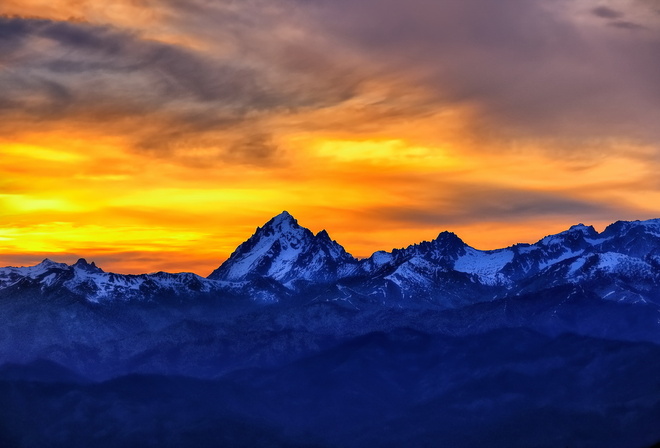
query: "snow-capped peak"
284, 256
586, 230
283, 224
47, 263
45, 266
446, 246
619, 228
283, 219
282, 250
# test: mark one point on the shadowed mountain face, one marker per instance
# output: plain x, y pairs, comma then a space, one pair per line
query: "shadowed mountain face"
290, 254
293, 342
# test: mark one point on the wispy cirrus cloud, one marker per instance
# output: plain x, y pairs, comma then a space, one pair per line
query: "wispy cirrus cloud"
164, 96
529, 67
473, 204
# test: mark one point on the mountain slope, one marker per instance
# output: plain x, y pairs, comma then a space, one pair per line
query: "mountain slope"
283, 251
91, 283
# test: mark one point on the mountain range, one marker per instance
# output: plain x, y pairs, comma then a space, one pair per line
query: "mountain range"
292, 341
284, 260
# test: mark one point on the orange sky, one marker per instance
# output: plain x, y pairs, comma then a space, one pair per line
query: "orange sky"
156, 135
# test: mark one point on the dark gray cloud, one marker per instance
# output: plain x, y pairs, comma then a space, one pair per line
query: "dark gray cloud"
164, 96
528, 67
648, 6
623, 24
253, 147
525, 68
473, 204
606, 13
85, 50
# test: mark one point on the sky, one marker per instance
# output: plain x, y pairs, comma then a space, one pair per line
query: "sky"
157, 135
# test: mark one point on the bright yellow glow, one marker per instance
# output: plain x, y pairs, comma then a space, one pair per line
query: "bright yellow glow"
135, 213
378, 170
388, 152
184, 199
38, 152
22, 203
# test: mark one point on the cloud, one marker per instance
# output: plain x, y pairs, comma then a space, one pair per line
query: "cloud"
229, 103
606, 13
524, 69
254, 147
163, 96
175, 73
473, 204
528, 68
623, 24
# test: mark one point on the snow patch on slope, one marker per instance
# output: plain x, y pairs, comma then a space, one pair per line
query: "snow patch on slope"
486, 265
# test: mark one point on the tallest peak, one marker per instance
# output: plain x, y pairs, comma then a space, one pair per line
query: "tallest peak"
284, 215
283, 218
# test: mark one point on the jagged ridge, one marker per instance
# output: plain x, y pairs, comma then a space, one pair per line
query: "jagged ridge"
283, 259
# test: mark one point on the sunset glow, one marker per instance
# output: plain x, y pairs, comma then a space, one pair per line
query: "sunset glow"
153, 136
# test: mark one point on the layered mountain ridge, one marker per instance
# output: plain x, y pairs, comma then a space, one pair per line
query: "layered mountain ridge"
283, 259
294, 342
